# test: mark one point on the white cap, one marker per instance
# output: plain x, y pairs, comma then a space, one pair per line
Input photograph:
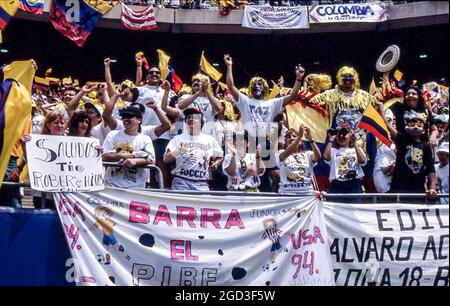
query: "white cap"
443, 148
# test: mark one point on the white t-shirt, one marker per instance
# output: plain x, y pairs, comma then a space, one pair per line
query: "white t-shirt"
384, 158
100, 131
257, 115
119, 141
246, 177
204, 105
442, 177
37, 122
223, 129
149, 130
147, 93
296, 172
344, 165
194, 164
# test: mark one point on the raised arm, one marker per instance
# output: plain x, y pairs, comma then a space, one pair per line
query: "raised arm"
293, 146
138, 71
73, 104
169, 110
107, 112
380, 109
164, 121
108, 78
184, 103
316, 151
230, 81
327, 153
299, 74
231, 169
215, 103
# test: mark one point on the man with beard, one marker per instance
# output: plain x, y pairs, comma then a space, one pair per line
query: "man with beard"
202, 97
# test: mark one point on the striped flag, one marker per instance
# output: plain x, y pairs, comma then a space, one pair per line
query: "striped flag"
7, 10
373, 122
15, 106
138, 20
32, 6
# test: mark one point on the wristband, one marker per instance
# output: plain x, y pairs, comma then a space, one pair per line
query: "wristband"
298, 80
313, 141
331, 141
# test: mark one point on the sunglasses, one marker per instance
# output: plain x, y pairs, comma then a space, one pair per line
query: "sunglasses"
154, 72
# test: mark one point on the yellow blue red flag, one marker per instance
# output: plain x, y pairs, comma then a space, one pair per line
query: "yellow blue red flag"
15, 106
7, 10
373, 122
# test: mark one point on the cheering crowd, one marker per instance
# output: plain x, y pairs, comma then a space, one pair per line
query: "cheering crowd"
217, 137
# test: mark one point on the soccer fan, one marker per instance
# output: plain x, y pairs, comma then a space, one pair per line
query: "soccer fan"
296, 164
132, 149
242, 167
195, 154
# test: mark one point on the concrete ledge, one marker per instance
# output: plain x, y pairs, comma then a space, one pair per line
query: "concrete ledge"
210, 21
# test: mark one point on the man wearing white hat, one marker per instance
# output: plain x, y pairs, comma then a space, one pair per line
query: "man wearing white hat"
442, 170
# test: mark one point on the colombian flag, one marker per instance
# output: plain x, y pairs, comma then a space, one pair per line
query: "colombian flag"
75, 23
7, 10
373, 122
15, 106
32, 6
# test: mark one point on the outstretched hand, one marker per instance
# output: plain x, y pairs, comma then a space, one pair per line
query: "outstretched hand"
228, 60
299, 72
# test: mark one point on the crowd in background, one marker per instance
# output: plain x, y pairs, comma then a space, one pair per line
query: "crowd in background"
239, 4
214, 136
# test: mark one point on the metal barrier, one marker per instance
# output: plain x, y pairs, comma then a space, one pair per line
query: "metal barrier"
158, 171
326, 196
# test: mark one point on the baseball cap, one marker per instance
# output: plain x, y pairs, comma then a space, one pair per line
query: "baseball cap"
192, 110
97, 107
443, 148
130, 111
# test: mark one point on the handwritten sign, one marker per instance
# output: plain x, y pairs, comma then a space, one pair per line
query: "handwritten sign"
65, 164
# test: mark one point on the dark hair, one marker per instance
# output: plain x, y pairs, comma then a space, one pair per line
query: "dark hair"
154, 66
69, 88
202, 118
135, 94
73, 123
419, 92
141, 108
240, 132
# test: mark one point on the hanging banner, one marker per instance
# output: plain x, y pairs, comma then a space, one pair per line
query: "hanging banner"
125, 237
389, 244
65, 164
275, 17
357, 12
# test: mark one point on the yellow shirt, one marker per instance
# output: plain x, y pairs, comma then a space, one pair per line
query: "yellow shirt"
106, 225
17, 149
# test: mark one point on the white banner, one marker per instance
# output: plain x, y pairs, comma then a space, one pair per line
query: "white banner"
64, 164
358, 12
389, 244
275, 17
123, 237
